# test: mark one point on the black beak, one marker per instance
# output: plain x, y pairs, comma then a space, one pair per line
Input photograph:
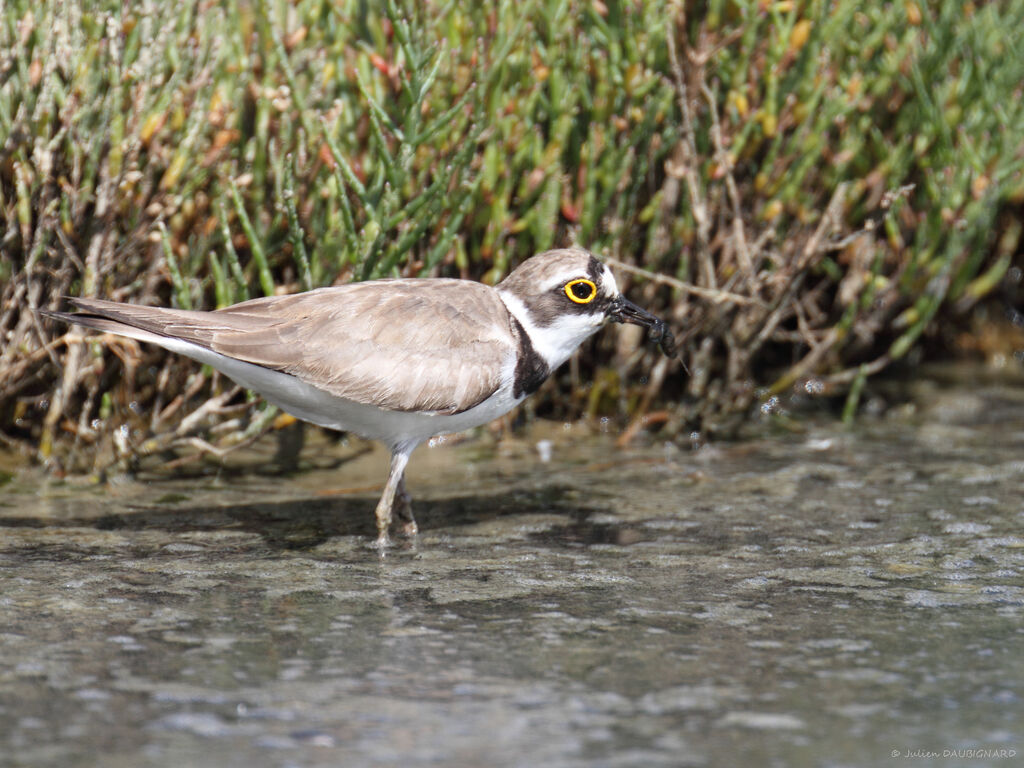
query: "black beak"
623, 310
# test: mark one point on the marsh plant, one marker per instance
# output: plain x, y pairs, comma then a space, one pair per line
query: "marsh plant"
806, 189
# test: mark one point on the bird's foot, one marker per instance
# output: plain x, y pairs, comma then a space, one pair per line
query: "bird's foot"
403, 511
384, 518
394, 506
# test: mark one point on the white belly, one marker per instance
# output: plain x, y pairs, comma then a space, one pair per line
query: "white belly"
314, 405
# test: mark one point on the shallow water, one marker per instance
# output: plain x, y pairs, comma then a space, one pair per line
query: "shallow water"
823, 597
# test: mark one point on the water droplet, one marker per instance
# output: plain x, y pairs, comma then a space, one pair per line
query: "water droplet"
545, 450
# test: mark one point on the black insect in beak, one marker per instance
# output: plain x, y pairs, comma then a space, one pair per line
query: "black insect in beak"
623, 310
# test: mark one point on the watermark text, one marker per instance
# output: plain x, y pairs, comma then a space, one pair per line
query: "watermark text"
974, 753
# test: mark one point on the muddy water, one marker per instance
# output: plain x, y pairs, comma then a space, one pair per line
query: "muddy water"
820, 597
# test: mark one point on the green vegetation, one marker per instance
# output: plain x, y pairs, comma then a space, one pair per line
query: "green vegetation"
804, 188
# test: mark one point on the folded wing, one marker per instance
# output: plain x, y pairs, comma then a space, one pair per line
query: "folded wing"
438, 345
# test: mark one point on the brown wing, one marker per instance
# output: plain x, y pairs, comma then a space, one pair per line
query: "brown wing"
433, 345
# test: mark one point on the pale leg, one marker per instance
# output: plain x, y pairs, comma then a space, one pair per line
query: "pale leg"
399, 458
403, 508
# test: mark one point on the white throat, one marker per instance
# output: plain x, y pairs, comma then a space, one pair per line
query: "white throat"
555, 342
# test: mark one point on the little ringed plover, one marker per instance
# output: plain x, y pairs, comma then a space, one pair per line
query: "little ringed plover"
396, 360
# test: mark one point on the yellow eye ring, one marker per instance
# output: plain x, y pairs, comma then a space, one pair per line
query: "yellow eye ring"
581, 291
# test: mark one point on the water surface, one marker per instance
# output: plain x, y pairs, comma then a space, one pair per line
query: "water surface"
820, 597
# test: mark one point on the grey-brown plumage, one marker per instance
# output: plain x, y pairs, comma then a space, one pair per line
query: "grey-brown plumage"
404, 345
394, 360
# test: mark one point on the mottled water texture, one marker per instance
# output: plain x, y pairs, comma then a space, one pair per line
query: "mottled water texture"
822, 597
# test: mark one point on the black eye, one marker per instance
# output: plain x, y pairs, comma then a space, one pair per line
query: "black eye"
581, 291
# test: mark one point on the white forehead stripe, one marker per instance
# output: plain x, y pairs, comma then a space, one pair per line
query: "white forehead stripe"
611, 288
